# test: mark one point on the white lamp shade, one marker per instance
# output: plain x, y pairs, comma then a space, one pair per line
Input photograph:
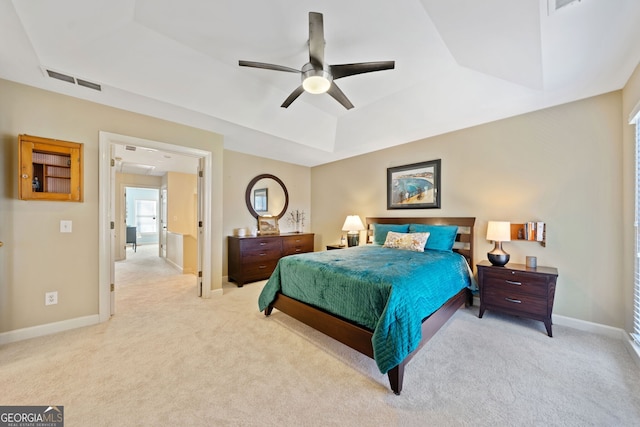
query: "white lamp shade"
499, 231
353, 223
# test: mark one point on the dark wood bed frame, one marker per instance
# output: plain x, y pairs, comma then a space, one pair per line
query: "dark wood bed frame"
359, 338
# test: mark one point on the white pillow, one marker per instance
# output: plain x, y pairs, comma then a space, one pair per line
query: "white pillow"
407, 241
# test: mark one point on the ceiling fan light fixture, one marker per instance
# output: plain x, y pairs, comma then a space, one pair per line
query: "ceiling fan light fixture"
316, 84
316, 81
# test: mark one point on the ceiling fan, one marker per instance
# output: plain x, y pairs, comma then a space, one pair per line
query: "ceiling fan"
318, 76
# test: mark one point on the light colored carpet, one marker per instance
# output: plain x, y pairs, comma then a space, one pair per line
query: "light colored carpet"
170, 358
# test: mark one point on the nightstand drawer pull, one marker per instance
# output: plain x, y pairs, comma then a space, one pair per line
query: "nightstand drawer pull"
511, 282
516, 301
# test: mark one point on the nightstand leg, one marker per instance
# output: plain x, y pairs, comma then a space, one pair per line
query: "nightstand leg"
547, 324
481, 311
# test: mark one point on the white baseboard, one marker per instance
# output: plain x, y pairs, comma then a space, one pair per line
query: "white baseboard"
47, 329
634, 349
583, 325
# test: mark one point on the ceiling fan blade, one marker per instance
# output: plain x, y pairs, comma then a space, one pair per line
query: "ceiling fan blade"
295, 94
316, 40
339, 96
267, 66
345, 70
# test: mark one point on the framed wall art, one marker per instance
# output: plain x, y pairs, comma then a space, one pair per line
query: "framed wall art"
268, 225
414, 186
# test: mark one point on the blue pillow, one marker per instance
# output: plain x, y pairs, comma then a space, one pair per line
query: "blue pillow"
441, 237
380, 231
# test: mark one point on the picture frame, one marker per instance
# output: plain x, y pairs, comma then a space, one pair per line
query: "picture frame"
268, 225
261, 199
414, 186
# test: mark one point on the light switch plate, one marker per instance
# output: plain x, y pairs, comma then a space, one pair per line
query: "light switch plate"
65, 226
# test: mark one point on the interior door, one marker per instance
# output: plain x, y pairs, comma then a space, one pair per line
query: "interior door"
163, 222
200, 216
112, 233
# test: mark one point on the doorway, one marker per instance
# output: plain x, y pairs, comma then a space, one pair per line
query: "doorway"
107, 186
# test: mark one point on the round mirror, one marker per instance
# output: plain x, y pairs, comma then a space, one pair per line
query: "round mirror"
267, 195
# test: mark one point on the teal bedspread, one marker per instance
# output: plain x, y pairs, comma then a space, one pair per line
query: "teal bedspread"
388, 291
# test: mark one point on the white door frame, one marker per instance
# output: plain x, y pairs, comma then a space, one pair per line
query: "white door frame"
107, 212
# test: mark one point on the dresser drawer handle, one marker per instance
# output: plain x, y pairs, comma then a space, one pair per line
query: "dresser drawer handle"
516, 301
262, 254
298, 249
262, 266
262, 243
511, 282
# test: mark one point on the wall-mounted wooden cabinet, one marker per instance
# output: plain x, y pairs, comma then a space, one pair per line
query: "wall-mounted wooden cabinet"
50, 169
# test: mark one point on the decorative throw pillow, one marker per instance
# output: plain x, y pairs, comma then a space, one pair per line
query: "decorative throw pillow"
407, 241
380, 231
442, 237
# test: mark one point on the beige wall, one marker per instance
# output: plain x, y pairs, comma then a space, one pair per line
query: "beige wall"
239, 170
560, 165
36, 258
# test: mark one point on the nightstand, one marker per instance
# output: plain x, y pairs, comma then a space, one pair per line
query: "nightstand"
518, 290
330, 247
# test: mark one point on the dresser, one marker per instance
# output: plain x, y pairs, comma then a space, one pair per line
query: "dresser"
254, 258
518, 290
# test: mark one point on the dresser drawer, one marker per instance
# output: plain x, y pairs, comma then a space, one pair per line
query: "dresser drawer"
297, 244
258, 270
264, 244
513, 281
510, 301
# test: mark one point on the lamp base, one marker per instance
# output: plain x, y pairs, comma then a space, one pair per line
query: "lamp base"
353, 239
498, 259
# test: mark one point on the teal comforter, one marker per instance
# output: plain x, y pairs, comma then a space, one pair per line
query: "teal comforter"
388, 291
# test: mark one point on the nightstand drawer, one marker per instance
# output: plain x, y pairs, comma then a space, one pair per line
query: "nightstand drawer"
515, 301
522, 282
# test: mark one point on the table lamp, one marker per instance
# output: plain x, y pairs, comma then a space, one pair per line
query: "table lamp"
353, 225
498, 232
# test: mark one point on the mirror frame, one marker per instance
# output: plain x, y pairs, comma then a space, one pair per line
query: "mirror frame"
247, 195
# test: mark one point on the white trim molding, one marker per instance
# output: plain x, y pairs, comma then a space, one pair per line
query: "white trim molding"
47, 329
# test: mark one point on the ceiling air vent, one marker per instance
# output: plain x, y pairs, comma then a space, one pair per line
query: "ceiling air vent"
130, 147
73, 80
90, 85
60, 76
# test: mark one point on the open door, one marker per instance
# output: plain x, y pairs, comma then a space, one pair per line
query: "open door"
200, 216
112, 234
163, 222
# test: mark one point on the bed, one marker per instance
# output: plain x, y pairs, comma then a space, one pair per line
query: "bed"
378, 300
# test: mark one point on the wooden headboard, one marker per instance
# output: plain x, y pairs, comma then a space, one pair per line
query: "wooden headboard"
464, 239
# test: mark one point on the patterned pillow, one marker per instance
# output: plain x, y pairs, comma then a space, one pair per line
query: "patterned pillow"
407, 241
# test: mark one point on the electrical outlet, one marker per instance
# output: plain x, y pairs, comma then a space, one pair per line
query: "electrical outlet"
51, 298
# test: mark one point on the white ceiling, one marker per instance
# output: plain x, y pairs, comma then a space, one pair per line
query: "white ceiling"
459, 63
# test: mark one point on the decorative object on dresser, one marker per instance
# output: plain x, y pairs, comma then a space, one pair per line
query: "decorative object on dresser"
498, 232
254, 258
296, 220
268, 225
353, 225
518, 290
